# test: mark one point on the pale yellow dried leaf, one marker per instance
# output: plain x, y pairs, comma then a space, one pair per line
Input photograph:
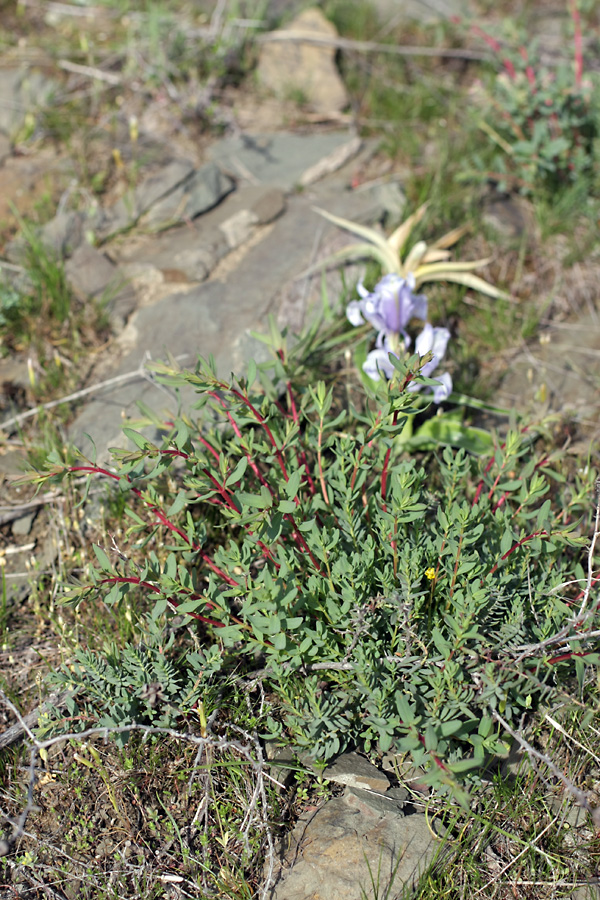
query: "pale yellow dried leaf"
398, 238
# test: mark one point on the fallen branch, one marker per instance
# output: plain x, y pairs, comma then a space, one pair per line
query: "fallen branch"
24, 724
579, 797
90, 72
305, 37
140, 372
251, 751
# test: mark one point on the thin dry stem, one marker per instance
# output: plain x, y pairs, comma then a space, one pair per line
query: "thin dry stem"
579, 797
140, 372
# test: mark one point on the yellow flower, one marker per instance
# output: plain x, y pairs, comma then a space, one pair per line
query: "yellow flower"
430, 573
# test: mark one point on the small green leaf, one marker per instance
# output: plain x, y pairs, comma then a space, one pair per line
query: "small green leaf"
103, 560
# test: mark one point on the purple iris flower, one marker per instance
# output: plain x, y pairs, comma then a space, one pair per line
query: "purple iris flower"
431, 339
434, 340
378, 362
390, 307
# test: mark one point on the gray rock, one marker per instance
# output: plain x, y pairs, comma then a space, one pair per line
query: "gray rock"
92, 275
190, 250
162, 183
196, 195
90, 272
283, 763
349, 851
356, 771
22, 90
13, 464
63, 234
155, 189
216, 317
508, 215
392, 801
14, 373
280, 159
295, 68
586, 892
193, 250
22, 526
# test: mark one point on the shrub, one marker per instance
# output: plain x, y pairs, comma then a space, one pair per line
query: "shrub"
384, 601
546, 119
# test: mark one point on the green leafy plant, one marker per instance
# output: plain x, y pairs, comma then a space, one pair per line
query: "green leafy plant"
148, 682
547, 120
385, 603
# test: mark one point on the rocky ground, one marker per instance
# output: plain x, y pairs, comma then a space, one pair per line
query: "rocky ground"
190, 256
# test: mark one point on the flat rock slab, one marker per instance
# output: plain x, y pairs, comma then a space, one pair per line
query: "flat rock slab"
348, 851
216, 317
22, 90
356, 771
91, 274
190, 252
174, 194
282, 159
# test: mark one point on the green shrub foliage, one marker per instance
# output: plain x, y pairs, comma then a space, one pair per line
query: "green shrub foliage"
382, 601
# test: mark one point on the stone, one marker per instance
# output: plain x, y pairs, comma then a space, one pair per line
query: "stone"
162, 183
149, 192
293, 68
193, 250
217, 316
266, 205
281, 159
586, 892
196, 195
63, 234
349, 851
91, 274
331, 163
188, 249
23, 90
356, 771
508, 215
392, 801
22, 526
284, 762
13, 465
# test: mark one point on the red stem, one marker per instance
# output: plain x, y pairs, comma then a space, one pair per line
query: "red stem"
258, 418
496, 47
516, 546
209, 447
222, 490
121, 579
298, 537
292, 403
